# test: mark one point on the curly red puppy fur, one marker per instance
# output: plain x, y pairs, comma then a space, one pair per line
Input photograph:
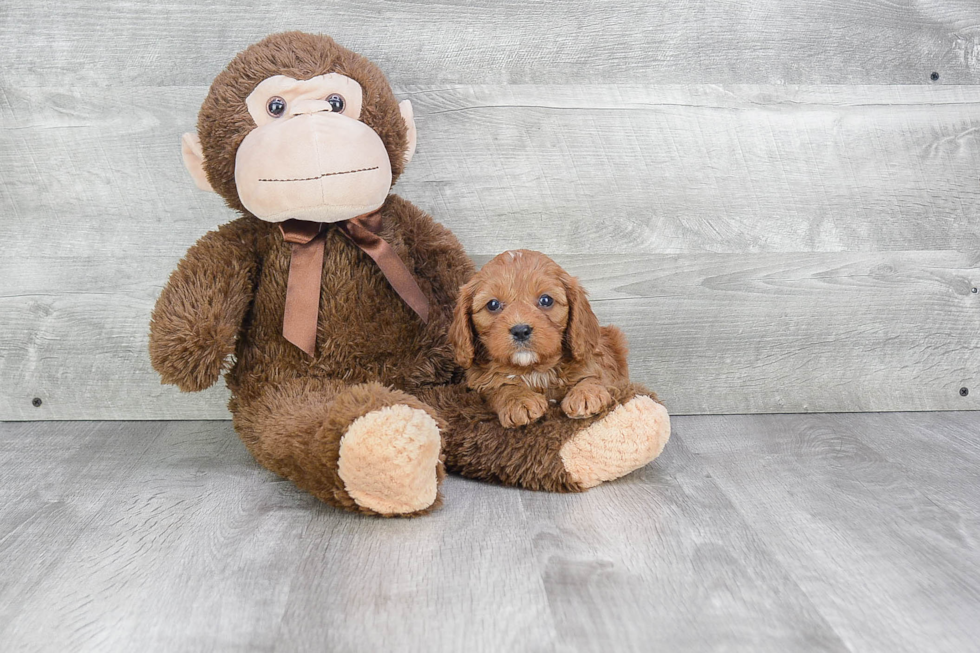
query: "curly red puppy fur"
525, 333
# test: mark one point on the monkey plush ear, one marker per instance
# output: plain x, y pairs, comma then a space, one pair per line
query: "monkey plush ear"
190, 149
409, 116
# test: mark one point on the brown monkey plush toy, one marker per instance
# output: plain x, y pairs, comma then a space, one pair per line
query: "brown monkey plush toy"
327, 303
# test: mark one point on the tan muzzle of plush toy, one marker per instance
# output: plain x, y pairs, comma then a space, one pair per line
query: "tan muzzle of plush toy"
315, 164
309, 156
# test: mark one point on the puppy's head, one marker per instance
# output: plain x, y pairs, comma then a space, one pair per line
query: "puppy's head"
522, 310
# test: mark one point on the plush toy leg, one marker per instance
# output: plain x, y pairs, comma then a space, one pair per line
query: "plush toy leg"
365, 447
557, 453
626, 439
388, 460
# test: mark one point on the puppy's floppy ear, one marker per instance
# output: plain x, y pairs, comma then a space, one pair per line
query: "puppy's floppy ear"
461, 330
582, 331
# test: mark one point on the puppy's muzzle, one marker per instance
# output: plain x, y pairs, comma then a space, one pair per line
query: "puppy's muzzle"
521, 333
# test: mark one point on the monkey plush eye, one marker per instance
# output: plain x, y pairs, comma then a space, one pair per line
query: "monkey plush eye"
276, 106
493, 305
337, 102
545, 301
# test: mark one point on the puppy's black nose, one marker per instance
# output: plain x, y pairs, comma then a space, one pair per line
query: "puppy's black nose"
521, 332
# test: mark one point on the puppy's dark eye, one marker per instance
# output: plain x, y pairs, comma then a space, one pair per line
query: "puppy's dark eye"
276, 106
545, 301
493, 306
337, 102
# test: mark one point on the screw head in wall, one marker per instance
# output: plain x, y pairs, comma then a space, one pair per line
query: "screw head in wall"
934, 77
36, 402
964, 392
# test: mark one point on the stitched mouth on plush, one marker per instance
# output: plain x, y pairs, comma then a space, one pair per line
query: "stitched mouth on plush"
325, 174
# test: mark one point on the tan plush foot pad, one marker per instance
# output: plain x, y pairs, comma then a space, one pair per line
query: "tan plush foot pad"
625, 439
388, 460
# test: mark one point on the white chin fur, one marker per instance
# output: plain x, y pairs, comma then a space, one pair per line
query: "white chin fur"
524, 358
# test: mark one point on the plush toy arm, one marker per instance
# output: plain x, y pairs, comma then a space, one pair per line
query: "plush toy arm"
199, 313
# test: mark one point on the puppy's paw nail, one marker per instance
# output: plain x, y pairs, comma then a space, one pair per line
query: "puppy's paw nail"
536, 408
513, 420
523, 411
585, 403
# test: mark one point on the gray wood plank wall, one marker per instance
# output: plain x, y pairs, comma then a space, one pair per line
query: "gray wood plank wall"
774, 199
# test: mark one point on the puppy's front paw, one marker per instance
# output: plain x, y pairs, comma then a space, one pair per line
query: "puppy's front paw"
586, 400
518, 411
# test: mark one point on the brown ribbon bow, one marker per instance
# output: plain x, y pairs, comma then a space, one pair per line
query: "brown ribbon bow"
306, 267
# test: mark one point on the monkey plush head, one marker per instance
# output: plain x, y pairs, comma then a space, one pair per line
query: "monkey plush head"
298, 127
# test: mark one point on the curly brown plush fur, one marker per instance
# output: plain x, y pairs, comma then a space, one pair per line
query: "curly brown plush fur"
222, 310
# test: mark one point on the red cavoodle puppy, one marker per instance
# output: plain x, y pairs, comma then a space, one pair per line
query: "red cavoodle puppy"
525, 333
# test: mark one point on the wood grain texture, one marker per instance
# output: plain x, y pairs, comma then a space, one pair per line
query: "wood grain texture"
774, 533
693, 169
682, 208
564, 169
484, 41
131, 520
868, 529
466, 580
662, 561
712, 333
56, 478
796, 332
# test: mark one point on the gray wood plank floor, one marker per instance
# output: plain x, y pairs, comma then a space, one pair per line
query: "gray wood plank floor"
834, 532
